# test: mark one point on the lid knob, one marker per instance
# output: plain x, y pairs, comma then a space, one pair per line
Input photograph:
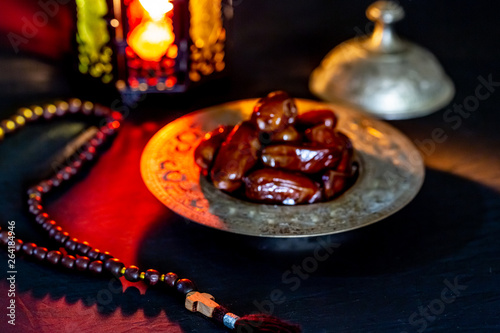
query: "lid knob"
384, 39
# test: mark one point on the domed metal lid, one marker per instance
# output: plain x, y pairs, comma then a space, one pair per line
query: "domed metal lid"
383, 74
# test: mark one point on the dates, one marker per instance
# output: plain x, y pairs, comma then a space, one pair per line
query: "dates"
317, 117
274, 186
274, 112
207, 149
278, 157
304, 158
289, 134
237, 155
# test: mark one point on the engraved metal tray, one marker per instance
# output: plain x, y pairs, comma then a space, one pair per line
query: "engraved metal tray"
391, 174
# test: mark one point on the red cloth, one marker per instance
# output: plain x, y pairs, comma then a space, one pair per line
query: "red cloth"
43, 27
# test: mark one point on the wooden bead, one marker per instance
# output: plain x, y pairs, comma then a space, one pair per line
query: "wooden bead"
28, 248
61, 237
96, 267
83, 248
18, 245
76, 164
185, 286
87, 107
53, 257
46, 185
47, 225
101, 111
132, 273
82, 263
68, 261
4, 237
54, 231
49, 111
41, 218
114, 266
70, 244
40, 253
104, 256
94, 254
62, 107
38, 190
74, 105
57, 180
35, 209
151, 277
170, 279
35, 200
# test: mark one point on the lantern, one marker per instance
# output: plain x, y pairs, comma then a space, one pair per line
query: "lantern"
146, 46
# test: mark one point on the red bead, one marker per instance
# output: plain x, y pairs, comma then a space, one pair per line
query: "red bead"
184, 286
40, 253
53, 257
28, 248
132, 273
68, 261
82, 263
70, 244
96, 267
114, 266
170, 279
152, 277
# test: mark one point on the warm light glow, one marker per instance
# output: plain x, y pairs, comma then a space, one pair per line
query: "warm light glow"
151, 39
156, 8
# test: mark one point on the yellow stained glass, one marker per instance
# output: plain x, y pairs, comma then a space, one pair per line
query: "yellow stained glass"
208, 34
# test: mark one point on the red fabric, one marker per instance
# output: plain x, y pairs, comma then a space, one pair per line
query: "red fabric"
43, 27
112, 208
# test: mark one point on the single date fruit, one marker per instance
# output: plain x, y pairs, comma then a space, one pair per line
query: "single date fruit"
207, 149
237, 155
289, 134
274, 112
317, 117
307, 158
272, 186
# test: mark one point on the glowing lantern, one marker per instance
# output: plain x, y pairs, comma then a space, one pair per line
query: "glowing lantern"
148, 46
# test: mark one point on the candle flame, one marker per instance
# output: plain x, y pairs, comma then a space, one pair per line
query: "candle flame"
150, 40
156, 9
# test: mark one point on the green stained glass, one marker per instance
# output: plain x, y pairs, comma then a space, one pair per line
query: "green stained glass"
93, 37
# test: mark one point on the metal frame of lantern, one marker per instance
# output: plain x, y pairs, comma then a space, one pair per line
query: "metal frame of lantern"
149, 46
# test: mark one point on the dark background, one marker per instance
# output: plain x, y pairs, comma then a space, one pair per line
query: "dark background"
379, 279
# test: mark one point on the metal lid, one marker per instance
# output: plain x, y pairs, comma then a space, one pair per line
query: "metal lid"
383, 74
